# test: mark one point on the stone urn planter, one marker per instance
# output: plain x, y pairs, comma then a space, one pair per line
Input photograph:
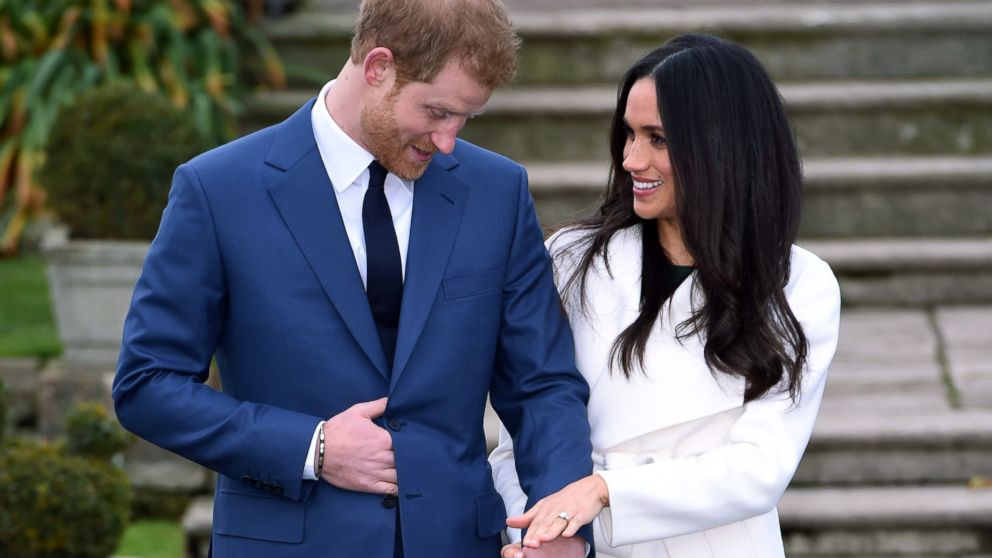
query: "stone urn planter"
107, 174
91, 283
107, 171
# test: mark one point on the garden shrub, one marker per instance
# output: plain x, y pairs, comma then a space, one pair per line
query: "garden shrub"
64, 499
110, 158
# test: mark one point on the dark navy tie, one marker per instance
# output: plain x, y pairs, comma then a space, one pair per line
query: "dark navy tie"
384, 280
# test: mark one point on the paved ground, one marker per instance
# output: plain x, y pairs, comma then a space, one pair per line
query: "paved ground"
912, 360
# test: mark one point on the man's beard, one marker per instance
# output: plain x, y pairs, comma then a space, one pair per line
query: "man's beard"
385, 140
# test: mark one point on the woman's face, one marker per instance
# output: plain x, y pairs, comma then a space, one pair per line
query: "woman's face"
645, 154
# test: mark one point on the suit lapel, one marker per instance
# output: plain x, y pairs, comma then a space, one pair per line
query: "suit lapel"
438, 201
305, 199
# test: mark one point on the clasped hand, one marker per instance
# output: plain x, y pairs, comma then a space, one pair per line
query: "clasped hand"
358, 454
579, 502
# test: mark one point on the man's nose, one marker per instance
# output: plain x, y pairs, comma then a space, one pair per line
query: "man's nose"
445, 135
444, 140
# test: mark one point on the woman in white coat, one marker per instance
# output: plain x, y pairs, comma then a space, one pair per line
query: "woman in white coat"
704, 333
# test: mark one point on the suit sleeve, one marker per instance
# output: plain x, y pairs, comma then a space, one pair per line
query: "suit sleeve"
502, 458
537, 391
170, 335
747, 476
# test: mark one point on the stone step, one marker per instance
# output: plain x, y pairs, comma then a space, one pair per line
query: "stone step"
922, 522
919, 522
909, 272
932, 522
893, 359
21, 379
913, 117
844, 197
596, 40
197, 524
923, 447
572, 123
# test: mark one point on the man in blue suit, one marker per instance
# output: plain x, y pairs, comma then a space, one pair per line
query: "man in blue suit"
364, 280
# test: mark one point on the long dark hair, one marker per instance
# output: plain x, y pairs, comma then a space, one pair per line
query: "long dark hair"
738, 191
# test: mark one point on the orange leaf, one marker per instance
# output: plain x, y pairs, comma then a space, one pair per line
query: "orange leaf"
65, 28
8, 41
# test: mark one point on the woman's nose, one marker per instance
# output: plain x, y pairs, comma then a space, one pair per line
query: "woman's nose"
634, 159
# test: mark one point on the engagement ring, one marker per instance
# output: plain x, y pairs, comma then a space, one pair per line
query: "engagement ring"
565, 516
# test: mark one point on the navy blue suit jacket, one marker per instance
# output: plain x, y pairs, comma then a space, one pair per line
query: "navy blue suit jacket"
252, 266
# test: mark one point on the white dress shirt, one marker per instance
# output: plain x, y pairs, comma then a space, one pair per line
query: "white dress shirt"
346, 163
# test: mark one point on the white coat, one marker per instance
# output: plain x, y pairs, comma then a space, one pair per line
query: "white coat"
692, 471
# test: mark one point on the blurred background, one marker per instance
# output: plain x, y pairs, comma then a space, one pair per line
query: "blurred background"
892, 106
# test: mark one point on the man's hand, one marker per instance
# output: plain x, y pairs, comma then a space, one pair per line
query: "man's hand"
358, 455
574, 547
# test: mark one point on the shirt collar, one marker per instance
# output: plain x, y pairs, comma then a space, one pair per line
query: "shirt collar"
344, 159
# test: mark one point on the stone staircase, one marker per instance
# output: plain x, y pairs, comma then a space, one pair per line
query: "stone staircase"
892, 104
902, 452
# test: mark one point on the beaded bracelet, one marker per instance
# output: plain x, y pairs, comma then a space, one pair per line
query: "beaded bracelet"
320, 449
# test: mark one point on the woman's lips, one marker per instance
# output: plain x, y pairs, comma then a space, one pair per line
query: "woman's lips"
645, 187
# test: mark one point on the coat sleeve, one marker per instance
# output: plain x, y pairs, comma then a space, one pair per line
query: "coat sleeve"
502, 459
747, 476
536, 390
507, 482
170, 335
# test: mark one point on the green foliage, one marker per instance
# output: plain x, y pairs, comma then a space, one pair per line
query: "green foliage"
54, 503
52, 51
3, 411
27, 324
110, 159
91, 433
152, 539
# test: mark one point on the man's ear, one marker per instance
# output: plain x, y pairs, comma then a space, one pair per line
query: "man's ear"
380, 67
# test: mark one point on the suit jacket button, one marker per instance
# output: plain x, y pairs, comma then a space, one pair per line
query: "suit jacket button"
394, 425
389, 502
247, 480
278, 490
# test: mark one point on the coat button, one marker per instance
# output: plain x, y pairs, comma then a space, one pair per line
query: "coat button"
388, 502
394, 425
278, 490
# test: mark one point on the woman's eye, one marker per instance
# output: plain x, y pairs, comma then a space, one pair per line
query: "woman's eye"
658, 140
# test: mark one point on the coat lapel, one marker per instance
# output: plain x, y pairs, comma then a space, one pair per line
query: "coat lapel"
438, 201
305, 199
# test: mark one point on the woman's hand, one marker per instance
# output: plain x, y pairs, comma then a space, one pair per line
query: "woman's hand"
562, 513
